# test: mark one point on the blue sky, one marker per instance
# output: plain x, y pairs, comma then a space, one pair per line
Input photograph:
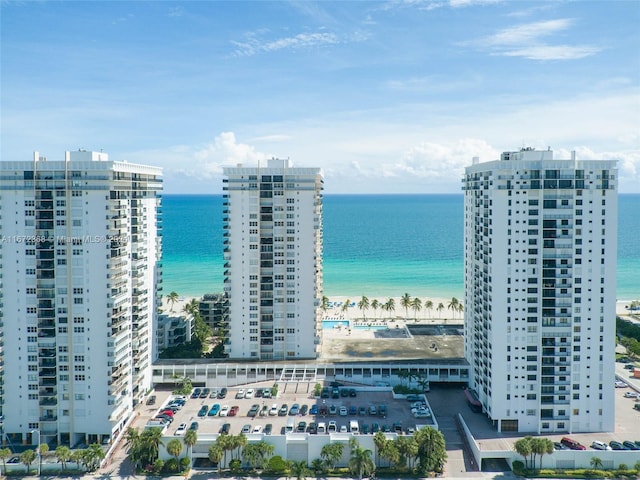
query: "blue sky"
388, 97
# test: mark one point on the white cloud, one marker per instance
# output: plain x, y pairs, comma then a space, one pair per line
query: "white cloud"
525, 41
252, 45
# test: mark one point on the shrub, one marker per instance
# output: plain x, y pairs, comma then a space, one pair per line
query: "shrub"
518, 467
185, 464
276, 465
235, 465
171, 466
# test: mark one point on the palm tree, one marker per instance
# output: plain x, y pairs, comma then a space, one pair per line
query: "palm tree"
174, 448
389, 452
216, 452
439, 308
43, 449
299, 469
318, 466
375, 304
239, 441
94, 456
363, 305
460, 308
453, 306
379, 440
416, 305
405, 302
190, 439
428, 305
64, 455
345, 305
325, 304
4, 454
27, 458
192, 307
390, 306
360, 463
76, 457
596, 463
332, 453
172, 298
523, 447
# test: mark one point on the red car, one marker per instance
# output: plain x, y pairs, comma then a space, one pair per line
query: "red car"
167, 412
234, 411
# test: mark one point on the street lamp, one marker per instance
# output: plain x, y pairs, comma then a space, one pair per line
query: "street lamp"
37, 432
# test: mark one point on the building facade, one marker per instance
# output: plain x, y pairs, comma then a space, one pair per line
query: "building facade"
80, 267
214, 310
273, 260
540, 282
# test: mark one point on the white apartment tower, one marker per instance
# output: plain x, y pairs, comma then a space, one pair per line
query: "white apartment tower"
79, 263
273, 260
540, 290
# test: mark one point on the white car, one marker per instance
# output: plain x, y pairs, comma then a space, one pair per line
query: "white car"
224, 411
181, 430
257, 429
422, 413
620, 384
343, 429
343, 411
274, 410
631, 394
249, 393
240, 393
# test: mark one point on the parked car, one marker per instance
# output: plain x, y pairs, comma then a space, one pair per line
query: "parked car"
598, 445
151, 400
344, 392
631, 394
325, 393
274, 410
295, 409
333, 409
412, 397
365, 429
302, 426
253, 411
224, 411
194, 426
240, 394
196, 393
343, 411
362, 410
214, 393
234, 411
375, 428
572, 444
246, 428
268, 428
225, 428
215, 409
343, 429
284, 409
264, 410
182, 429
353, 410
257, 429
312, 427
249, 393
205, 392
304, 409
630, 445
203, 411
373, 410
620, 384
313, 410
352, 392
266, 393
222, 393
332, 427
616, 445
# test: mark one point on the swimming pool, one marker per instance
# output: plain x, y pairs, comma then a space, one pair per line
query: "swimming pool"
334, 323
371, 327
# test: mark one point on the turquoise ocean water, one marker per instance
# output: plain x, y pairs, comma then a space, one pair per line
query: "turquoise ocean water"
374, 245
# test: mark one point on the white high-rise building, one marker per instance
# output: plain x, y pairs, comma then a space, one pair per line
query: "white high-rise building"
273, 260
79, 263
540, 290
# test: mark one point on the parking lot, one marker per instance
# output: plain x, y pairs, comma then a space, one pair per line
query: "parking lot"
293, 409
